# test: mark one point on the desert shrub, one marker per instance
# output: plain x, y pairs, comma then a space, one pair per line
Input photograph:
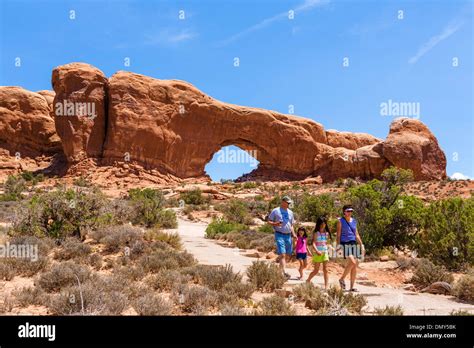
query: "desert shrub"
427, 273
215, 277
385, 216
87, 299
448, 236
96, 261
61, 213
7, 271
147, 207
165, 259
72, 248
405, 263
25, 266
389, 310
129, 272
232, 310
195, 299
172, 239
306, 291
13, 188
30, 295
274, 305
116, 237
167, 219
314, 206
460, 312
265, 276
464, 288
165, 280
82, 182
266, 228
220, 226
45, 245
194, 197
63, 274
236, 211
335, 301
151, 304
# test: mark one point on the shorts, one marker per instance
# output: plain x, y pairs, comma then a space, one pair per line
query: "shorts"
301, 256
284, 244
320, 258
351, 248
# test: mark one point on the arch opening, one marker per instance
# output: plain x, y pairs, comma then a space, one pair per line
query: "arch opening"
231, 162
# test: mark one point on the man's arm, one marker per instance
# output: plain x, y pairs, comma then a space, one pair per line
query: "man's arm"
270, 221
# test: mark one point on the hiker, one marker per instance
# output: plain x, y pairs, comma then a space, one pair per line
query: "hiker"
282, 220
349, 240
302, 250
321, 235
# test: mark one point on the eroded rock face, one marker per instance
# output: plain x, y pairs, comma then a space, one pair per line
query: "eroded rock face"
25, 124
172, 128
410, 144
79, 109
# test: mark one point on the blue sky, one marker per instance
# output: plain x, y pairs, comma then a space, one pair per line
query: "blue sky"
400, 56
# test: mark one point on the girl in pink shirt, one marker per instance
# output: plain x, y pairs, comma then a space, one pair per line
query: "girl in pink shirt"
302, 250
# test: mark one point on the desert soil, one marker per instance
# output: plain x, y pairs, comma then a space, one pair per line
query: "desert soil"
379, 289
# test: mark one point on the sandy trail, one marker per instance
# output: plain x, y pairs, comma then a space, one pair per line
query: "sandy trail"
208, 252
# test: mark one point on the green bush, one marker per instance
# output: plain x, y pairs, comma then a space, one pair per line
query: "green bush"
314, 206
32, 177
194, 197
427, 273
385, 216
61, 213
13, 188
266, 228
220, 226
464, 288
147, 208
265, 276
448, 236
236, 211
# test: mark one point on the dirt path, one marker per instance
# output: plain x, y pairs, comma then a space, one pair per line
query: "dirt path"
207, 251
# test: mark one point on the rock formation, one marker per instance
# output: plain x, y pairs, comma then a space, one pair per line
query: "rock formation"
174, 129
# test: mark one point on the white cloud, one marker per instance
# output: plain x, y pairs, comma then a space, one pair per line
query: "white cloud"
169, 36
435, 40
305, 6
459, 176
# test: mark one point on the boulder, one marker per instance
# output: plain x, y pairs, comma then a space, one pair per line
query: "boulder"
411, 145
80, 110
25, 124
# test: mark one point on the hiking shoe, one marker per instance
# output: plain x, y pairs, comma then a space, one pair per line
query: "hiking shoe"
342, 284
354, 290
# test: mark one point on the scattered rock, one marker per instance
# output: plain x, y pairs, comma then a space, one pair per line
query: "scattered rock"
409, 287
438, 288
270, 255
283, 293
384, 258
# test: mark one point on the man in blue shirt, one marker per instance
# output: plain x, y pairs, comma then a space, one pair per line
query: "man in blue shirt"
282, 220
